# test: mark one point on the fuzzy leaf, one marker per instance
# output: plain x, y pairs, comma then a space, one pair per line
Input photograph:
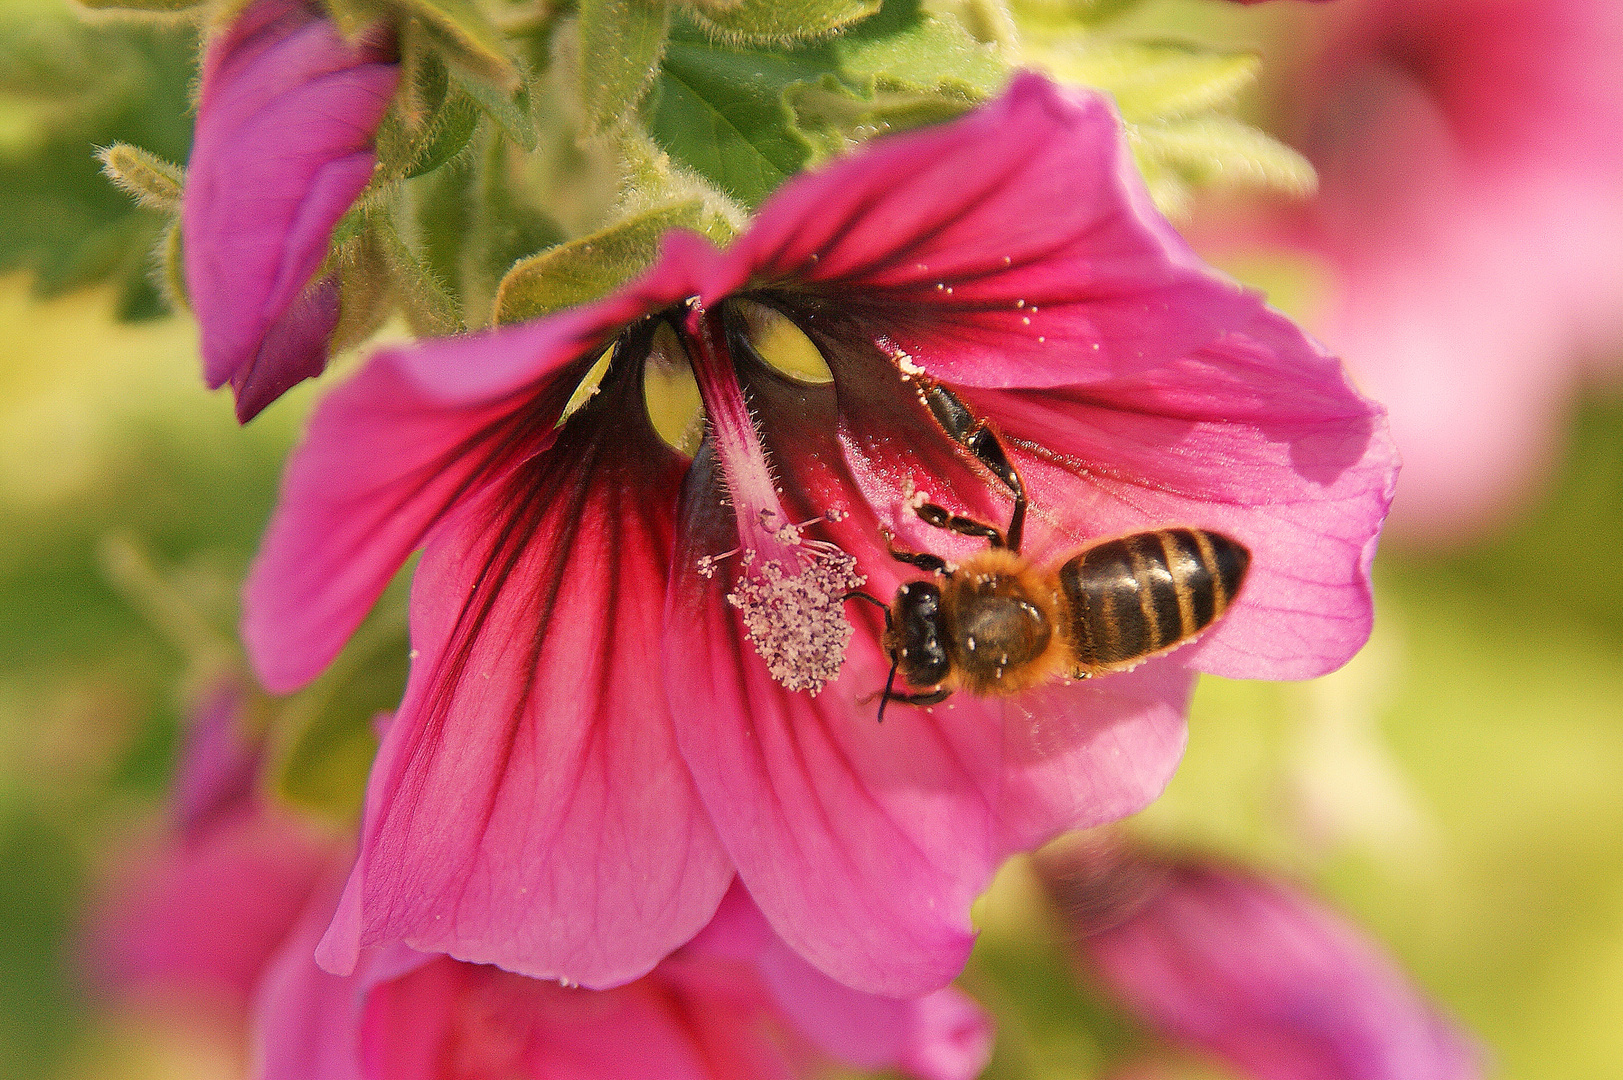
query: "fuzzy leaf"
780, 22
591, 266
725, 112
429, 307
1153, 80
907, 48
153, 182
832, 117
1221, 149
474, 41
621, 42
510, 108
720, 111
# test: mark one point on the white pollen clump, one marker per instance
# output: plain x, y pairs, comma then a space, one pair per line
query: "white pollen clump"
905, 362
796, 621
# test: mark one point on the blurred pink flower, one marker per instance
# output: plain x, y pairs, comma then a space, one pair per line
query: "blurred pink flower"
283, 145
1470, 211
199, 912
733, 1004
591, 741
1254, 971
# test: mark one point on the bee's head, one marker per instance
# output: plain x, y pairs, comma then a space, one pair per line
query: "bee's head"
916, 639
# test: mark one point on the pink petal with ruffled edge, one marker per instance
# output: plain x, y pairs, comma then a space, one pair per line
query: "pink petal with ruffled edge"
1018, 242
283, 146
389, 452
529, 807
1257, 436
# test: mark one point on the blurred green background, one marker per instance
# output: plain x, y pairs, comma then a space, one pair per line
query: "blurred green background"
1458, 788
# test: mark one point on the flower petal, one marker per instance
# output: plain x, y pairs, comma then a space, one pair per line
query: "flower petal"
283, 146
865, 843
206, 915
529, 807
1257, 436
1275, 983
388, 453
1013, 247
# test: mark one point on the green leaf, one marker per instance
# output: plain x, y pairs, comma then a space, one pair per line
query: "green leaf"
591, 266
621, 42
1155, 80
768, 22
1212, 149
745, 118
720, 111
153, 182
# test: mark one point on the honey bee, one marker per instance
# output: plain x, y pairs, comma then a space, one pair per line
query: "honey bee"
997, 624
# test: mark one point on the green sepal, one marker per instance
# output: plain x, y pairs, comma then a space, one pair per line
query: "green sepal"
778, 22
169, 269
433, 120
429, 308
469, 39
151, 181
352, 17
322, 742
1155, 80
439, 208
508, 107
621, 43
592, 266
365, 293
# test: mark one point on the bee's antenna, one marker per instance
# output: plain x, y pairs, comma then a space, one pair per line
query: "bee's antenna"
858, 594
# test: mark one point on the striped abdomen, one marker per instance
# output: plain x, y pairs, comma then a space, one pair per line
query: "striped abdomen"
1136, 595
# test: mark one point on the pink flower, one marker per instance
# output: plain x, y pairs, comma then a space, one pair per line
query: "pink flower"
200, 912
1470, 212
282, 148
593, 737
734, 1004
1253, 971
